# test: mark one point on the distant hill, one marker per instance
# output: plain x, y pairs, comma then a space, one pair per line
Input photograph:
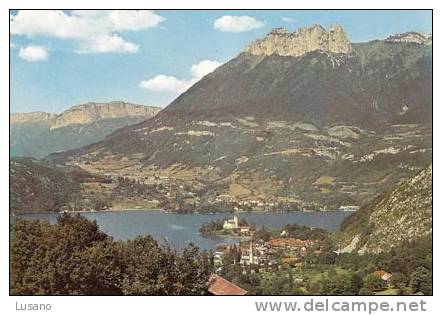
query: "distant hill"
403, 214
37, 186
38, 134
303, 117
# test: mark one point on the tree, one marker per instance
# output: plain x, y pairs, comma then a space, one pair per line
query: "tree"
277, 284
73, 257
337, 285
261, 234
399, 280
356, 282
373, 282
69, 257
193, 272
152, 269
100, 204
328, 258
421, 281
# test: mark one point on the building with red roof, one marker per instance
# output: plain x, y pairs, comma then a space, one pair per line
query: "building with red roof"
220, 286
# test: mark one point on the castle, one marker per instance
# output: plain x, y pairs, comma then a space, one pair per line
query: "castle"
231, 224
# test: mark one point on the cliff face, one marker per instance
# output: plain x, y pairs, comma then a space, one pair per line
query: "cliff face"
411, 37
34, 117
38, 134
86, 113
401, 215
281, 42
91, 112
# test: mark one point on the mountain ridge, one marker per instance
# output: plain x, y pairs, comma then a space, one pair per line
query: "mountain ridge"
407, 208
318, 130
86, 113
38, 134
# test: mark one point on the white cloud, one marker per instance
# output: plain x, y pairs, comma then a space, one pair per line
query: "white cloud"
134, 20
33, 53
204, 67
237, 24
12, 45
107, 44
288, 19
165, 83
96, 30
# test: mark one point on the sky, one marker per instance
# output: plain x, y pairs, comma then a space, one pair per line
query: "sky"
59, 59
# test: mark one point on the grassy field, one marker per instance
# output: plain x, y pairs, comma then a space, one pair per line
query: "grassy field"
388, 292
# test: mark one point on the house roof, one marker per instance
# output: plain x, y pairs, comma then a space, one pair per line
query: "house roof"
289, 242
382, 274
220, 286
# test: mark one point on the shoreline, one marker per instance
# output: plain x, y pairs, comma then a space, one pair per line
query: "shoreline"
171, 212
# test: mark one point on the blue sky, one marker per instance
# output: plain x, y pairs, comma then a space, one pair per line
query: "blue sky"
61, 59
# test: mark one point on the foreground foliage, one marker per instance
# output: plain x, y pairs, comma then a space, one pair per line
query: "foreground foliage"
73, 257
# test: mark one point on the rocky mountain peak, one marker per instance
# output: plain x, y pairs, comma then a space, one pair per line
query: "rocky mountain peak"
411, 37
279, 31
283, 43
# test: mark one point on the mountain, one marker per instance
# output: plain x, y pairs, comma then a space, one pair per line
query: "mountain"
37, 186
303, 118
37, 134
403, 214
34, 117
280, 42
411, 37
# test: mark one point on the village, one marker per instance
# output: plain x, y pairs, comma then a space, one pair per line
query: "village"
265, 254
260, 249
179, 196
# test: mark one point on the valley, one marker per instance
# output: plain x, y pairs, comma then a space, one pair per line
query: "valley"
273, 164
301, 166
308, 127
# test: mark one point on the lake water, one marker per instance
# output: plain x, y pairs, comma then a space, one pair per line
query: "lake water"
180, 229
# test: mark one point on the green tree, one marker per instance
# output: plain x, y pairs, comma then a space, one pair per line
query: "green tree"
261, 234
277, 284
152, 269
373, 282
421, 281
337, 285
356, 282
399, 280
73, 257
70, 257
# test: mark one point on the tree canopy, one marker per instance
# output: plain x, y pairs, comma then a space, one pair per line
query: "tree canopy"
73, 257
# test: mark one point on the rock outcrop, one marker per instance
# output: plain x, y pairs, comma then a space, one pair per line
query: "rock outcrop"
402, 215
283, 43
19, 118
411, 37
91, 112
86, 114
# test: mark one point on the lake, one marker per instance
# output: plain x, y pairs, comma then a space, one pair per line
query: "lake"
180, 229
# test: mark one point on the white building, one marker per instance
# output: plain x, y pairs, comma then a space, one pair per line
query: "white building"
248, 258
230, 224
